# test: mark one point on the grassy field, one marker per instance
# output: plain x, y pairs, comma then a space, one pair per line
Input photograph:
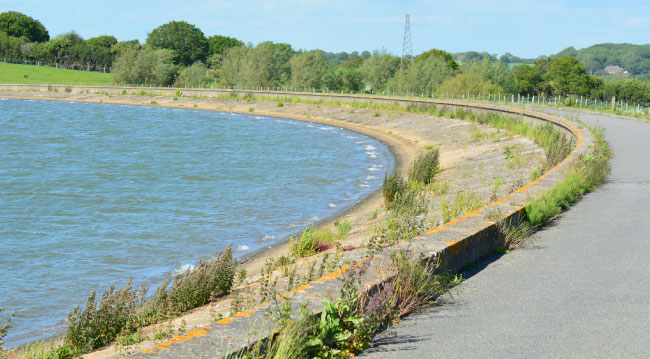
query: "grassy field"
30, 74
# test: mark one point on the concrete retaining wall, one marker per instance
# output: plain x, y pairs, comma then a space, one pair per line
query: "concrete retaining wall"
453, 245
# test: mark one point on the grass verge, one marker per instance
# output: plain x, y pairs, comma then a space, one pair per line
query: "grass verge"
589, 171
30, 74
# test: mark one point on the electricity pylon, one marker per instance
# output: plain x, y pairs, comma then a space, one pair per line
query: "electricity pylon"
407, 48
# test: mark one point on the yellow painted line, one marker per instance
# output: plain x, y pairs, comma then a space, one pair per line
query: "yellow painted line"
182, 339
198, 333
225, 321
207, 327
162, 348
304, 286
148, 351
241, 314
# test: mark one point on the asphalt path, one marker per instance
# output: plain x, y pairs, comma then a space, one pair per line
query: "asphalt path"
580, 288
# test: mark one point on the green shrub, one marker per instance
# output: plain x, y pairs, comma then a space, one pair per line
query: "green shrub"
103, 320
193, 76
197, 287
121, 312
424, 167
392, 185
313, 240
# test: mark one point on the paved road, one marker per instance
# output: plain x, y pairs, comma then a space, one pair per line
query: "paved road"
579, 289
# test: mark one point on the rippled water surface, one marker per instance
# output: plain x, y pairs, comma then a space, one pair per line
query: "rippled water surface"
91, 194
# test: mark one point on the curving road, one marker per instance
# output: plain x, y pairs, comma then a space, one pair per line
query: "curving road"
579, 289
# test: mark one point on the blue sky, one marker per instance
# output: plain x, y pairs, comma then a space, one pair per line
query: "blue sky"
523, 27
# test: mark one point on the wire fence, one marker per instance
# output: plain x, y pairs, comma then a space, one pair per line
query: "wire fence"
614, 105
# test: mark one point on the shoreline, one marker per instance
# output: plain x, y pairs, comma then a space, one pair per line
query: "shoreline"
255, 260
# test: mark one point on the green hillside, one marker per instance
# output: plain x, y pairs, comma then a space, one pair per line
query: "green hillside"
29, 74
635, 59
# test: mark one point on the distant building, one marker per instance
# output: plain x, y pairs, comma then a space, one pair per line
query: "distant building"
460, 58
615, 70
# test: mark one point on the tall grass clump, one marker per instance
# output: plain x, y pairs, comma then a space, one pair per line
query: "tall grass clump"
589, 172
313, 240
393, 184
103, 318
405, 219
119, 312
195, 287
424, 167
464, 202
511, 233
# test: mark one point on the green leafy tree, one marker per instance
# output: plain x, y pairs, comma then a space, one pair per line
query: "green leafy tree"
425, 75
349, 79
379, 68
17, 24
265, 65
186, 41
529, 79
145, 66
103, 41
467, 82
193, 76
629, 90
567, 76
307, 70
218, 44
496, 73
10, 47
232, 67
447, 57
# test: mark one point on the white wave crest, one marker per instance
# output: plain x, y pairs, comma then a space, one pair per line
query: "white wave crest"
242, 248
183, 269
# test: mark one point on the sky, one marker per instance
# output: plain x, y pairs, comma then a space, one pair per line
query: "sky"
525, 28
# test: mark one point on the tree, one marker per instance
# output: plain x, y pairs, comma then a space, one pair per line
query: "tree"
145, 66
267, 65
193, 76
424, 76
496, 73
467, 82
529, 79
307, 70
379, 68
186, 41
218, 44
232, 67
20, 25
103, 41
439, 53
567, 76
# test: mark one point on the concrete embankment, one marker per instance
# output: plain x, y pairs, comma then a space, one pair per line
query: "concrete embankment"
454, 244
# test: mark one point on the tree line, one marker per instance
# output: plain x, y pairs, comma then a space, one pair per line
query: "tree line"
179, 54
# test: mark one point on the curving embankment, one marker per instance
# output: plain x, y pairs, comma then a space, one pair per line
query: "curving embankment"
453, 244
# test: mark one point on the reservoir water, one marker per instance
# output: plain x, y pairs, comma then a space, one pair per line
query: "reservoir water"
92, 194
